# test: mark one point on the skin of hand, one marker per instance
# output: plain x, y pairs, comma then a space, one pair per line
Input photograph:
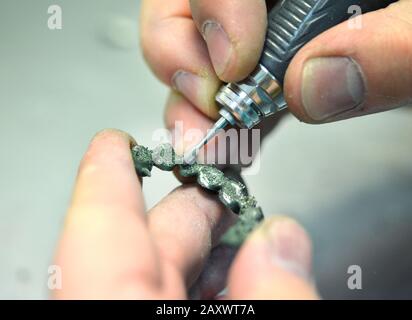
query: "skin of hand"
193, 46
111, 249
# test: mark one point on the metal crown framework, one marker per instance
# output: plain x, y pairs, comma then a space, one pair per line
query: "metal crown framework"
233, 194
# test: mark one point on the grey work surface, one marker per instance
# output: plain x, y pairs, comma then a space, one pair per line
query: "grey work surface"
349, 183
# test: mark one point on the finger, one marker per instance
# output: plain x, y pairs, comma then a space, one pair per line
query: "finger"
274, 263
105, 250
213, 278
106, 176
177, 53
186, 225
234, 31
348, 72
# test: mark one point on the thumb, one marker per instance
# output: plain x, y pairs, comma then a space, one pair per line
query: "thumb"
234, 31
359, 67
274, 263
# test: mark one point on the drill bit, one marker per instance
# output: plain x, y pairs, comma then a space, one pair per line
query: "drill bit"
190, 157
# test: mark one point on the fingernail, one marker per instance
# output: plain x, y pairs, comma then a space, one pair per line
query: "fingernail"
289, 247
219, 45
331, 86
187, 84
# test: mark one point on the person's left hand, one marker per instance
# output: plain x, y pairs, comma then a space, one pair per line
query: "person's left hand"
110, 249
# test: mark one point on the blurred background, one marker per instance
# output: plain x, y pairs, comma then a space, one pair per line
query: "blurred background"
349, 183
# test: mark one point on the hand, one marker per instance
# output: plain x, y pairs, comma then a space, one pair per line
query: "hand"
110, 249
346, 73
193, 46
343, 73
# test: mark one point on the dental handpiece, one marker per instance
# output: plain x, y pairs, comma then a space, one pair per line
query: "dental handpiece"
291, 24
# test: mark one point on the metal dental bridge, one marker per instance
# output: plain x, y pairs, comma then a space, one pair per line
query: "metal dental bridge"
233, 194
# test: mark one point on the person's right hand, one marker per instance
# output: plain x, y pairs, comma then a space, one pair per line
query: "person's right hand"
194, 46
345, 72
